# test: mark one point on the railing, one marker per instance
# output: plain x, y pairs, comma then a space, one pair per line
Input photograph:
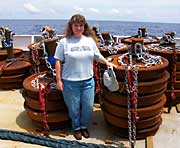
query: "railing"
22, 41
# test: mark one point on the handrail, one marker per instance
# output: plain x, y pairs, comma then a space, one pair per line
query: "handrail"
22, 41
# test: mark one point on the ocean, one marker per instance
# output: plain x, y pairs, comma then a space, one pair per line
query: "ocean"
122, 28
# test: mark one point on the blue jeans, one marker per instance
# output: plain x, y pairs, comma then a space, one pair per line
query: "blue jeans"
79, 99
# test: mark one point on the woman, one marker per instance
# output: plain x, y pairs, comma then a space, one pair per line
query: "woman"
74, 56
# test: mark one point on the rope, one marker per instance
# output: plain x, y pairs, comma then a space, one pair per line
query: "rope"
173, 77
35, 58
96, 77
44, 141
3, 66
9, 62
43, 108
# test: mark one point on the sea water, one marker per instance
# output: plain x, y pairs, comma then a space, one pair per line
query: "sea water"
122, 28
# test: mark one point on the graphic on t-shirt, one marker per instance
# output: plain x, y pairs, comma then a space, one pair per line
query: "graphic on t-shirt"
82, 48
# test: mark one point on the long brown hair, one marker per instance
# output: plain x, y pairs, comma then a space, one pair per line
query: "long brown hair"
78, 18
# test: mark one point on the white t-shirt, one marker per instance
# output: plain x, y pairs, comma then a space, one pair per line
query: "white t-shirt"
78, 55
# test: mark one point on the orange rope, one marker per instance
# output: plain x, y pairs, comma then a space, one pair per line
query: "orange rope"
96, 77
43, 107
2, 68
173, 76
5, 65
133, 94
35, 57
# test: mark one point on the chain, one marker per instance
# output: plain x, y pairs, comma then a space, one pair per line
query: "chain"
129, 106
110, 49
35, 82
145, 58
168, 39
113, 49
99, 35
47, 32
131, 84
35, 57
48, 64
150, 59
120, 61
163, 48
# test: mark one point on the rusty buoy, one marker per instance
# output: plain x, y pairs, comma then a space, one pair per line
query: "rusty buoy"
168, 49
55, 108
142, 33
144, 103
14, 68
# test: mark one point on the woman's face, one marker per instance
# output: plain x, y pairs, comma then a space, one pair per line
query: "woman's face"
78, 29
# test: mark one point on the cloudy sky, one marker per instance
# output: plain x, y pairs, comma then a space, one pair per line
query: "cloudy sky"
120, 10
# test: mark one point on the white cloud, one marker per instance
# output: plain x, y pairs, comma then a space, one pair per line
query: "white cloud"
129, 11
31, 8
78, 9
115, 10
94, 10
53, 11
85, 10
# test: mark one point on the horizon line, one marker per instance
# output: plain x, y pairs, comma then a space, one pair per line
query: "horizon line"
41, 19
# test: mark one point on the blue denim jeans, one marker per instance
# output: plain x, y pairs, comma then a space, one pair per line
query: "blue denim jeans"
79, 98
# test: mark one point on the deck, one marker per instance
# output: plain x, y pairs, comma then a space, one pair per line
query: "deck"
13, 117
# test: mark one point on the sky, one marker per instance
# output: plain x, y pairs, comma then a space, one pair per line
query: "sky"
116, 10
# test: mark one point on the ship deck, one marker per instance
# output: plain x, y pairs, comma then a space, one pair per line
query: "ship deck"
13, 117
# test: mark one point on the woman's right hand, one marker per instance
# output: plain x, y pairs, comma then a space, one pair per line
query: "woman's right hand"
111, 65
60, 85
